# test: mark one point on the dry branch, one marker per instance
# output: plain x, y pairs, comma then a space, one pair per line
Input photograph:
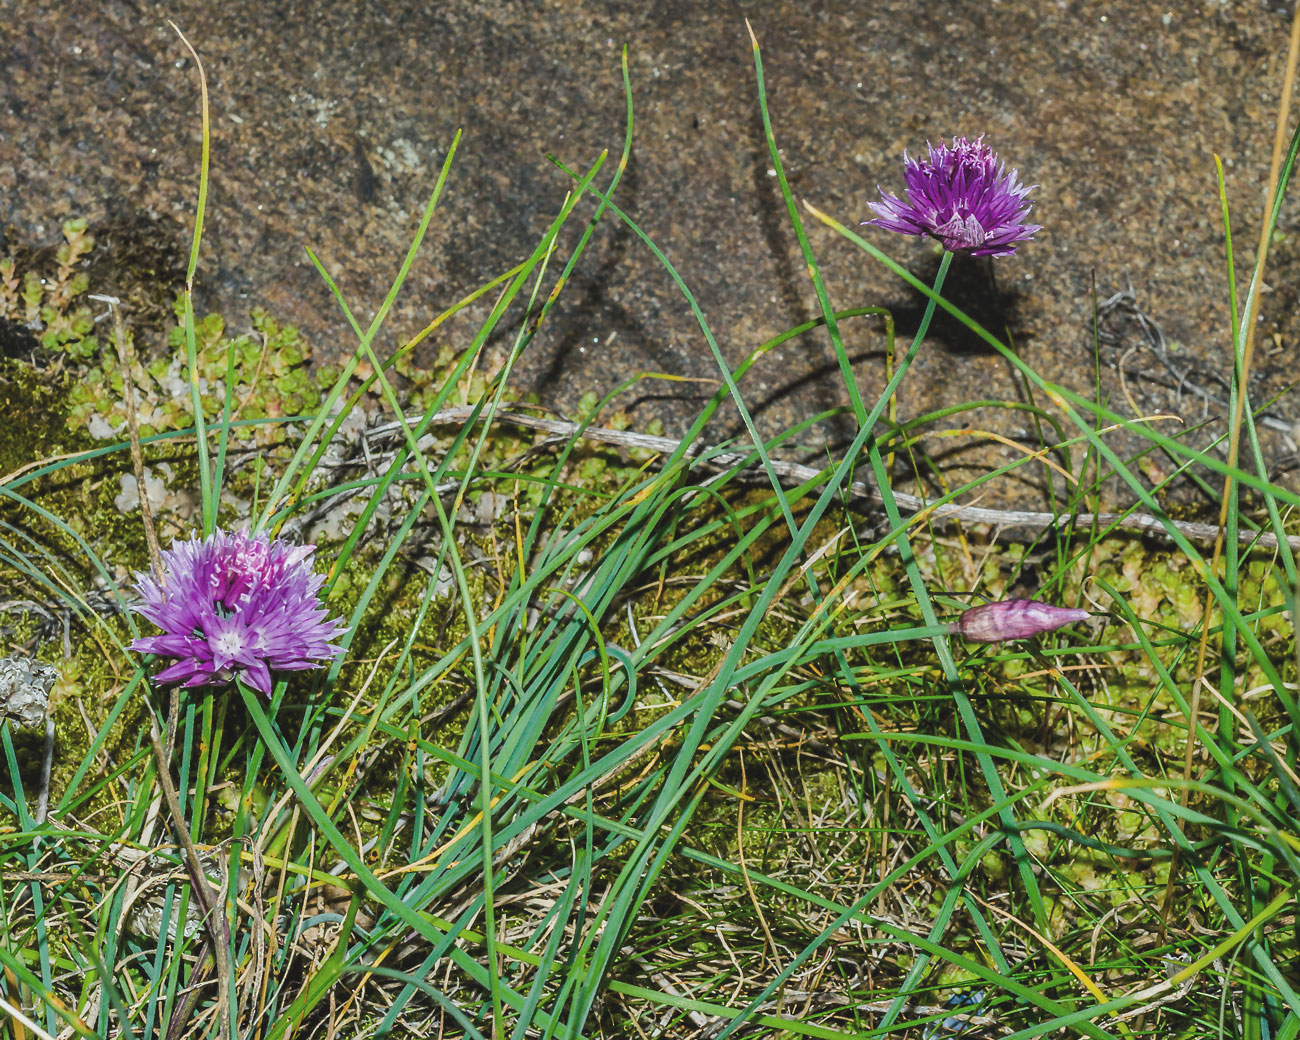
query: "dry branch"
859, 493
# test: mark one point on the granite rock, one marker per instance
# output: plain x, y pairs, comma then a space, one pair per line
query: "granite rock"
330, 122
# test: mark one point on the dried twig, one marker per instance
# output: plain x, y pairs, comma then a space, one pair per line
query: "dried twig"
1183, 372
858, 492
125, 358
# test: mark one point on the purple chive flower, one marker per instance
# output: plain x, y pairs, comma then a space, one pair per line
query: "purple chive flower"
963, 197
1013, 619
236, 604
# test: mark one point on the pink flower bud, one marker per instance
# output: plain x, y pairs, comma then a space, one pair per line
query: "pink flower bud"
1013, 619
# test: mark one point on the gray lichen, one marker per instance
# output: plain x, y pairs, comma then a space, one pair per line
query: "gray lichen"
25, 690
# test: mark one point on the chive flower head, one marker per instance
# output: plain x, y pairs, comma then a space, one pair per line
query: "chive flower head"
236, 604
961, 196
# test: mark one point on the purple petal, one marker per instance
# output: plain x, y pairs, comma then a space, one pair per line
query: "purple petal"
258, 677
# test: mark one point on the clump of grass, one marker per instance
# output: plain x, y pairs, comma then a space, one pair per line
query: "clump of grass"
626, 743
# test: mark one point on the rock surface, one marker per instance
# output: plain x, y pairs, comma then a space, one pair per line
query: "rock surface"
330, 122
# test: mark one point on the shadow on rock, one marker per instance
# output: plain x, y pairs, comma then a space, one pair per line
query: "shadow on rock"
972, 287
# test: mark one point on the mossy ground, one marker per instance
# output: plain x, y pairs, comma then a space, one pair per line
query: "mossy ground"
800, 798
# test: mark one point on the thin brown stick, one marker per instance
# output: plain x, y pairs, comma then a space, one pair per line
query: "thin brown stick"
11, 988
125, 357
215, 922
859, 492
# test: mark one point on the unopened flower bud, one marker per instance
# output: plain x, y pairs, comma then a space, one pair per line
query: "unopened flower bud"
1013, 619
